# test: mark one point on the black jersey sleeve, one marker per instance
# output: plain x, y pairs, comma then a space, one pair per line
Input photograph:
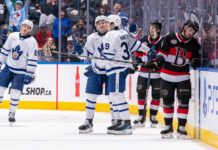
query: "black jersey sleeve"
165, 46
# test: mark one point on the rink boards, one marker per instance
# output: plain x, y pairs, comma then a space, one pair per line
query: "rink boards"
62, 87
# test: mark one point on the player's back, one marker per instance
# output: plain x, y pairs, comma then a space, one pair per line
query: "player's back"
117, 44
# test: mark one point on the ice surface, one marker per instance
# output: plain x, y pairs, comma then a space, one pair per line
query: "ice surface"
58, 130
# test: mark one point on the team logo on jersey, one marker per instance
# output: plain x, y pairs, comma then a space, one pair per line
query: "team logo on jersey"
16, 52
164, 92
173, 41
100, 49
180, 59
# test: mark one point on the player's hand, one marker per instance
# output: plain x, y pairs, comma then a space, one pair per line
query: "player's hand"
89, 71
132, 28
153, 64
133, 69
195, 63
28, 78
78, 49
138, 60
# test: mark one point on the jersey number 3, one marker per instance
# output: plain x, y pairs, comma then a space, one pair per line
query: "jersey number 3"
124, 46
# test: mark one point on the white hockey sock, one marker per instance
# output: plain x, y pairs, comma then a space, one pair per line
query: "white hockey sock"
15, 97
90, 105
115, 113
121, 104
2, 90
112, 112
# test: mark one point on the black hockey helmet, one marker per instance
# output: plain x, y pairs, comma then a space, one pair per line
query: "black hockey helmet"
191, 23
157, 23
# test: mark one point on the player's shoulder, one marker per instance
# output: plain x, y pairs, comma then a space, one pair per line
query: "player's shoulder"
196, 42
144, 38
170, 35
31, 38
13, 34
94, 34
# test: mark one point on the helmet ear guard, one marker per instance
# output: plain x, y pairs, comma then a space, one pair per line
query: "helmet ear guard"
115, 19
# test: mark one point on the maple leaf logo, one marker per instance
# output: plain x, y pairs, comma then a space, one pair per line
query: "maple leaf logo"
16, 53
100, 49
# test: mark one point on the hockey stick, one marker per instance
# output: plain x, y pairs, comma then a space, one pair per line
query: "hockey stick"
99, 58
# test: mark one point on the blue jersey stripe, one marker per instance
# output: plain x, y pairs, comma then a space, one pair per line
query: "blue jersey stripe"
111, 54
31, 65
115, 68
5, 49
100, 69
139, 46
16, 69
3, 53
30, 72
133, 45
32, 60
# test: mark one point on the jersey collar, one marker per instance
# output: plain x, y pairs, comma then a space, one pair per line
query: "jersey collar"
153, 41
182, 39
24, 37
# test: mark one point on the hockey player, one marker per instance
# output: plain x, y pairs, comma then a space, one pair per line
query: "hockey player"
19, 56
178, 51
95, 72
118, 45
153, 40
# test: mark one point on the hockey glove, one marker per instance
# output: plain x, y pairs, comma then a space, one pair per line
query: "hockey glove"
138, 61
133, 69
89, 72
132, 28
195, 63
152, 54
78, 49
28, 78
155, 63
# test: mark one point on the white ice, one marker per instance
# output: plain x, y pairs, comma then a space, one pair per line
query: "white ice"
58, 130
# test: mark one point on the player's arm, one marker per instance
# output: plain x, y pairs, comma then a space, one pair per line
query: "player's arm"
5, 50
31, 62
162, 54
86, 50
32, 58
195, 60
136, 45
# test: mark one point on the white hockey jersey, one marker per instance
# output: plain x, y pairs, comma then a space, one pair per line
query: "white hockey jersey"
94, 48
20, 53
118, 45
